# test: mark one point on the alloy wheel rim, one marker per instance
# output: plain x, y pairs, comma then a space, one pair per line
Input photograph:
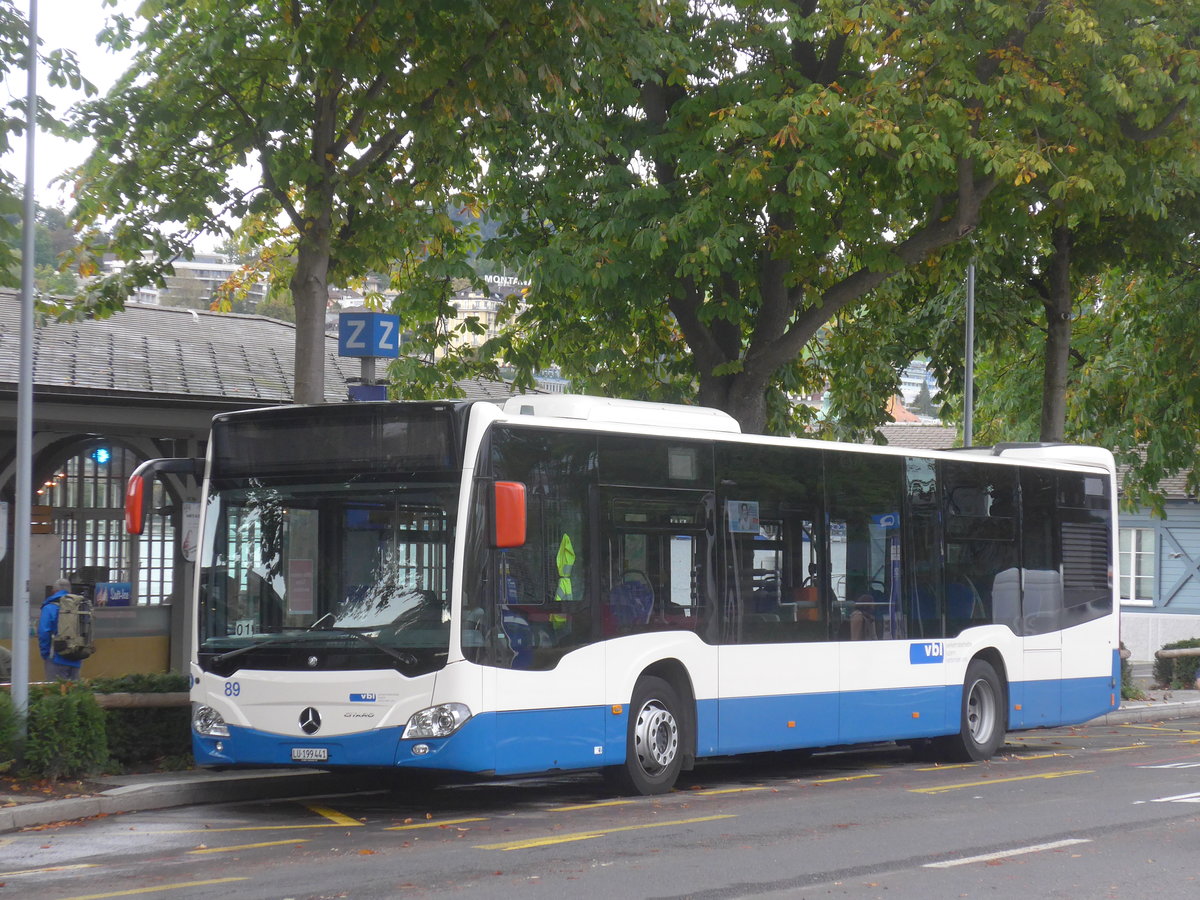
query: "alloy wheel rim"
656, 737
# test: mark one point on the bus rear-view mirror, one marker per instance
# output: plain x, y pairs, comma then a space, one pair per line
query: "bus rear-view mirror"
509, 517
141, 483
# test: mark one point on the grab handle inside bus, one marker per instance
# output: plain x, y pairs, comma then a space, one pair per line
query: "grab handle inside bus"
141, 481
509, 514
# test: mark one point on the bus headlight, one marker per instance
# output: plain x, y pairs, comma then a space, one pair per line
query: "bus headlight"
437, 721
208, 722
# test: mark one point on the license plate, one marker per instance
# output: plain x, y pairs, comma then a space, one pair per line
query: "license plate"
310, 754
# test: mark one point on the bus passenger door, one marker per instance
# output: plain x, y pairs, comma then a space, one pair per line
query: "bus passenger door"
539, 629
778, 673
655, 595
1038, 692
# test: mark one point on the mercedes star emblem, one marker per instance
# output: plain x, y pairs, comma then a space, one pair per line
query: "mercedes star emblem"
310, 720
312, 662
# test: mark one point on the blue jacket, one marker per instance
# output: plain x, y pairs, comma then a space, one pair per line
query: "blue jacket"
47, 625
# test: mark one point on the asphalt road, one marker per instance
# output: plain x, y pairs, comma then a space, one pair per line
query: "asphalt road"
1095, 811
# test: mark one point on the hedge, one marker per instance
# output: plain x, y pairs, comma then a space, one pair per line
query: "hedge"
1179, 672
70, 736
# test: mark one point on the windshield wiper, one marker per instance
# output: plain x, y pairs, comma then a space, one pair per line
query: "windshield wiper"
273, 639
407, 658
399, 655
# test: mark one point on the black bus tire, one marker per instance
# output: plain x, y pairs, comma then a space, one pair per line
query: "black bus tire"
655, 740
983, 720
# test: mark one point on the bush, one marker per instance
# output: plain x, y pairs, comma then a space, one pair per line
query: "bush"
66, 733
1178, 673
1129, 690
137, 737
155, 683
8, 733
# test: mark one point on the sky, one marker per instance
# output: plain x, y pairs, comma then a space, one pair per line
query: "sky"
67, 24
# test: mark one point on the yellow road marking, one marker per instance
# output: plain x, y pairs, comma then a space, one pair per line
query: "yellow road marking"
1158, 728
1040, 756
336, 820
843, 778
595, 805
154, 890
546, 841
1131, 747
333, 815
250, 846
716, 791
47, 869
434, 824
151, 831
947, 766
978, 784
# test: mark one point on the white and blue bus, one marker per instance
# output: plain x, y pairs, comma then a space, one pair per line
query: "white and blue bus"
565, 583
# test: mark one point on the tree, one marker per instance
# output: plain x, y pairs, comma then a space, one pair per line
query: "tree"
1132, 160
732, 180
62, 69
1087, 274
923, 403
352, 114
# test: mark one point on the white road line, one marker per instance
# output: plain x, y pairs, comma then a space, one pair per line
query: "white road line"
1004, 854
1178, 798
1176, 765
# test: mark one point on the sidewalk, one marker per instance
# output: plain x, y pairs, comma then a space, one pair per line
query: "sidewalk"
131, 793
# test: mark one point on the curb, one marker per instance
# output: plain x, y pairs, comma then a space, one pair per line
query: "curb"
1150, 712
229, 787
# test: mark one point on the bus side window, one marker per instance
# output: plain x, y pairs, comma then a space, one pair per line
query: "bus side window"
866, 512
981, 544
925, 596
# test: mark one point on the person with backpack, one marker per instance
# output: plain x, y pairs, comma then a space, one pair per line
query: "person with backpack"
57, 666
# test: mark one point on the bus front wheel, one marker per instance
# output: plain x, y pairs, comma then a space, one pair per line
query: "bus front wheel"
983, 721
654, 743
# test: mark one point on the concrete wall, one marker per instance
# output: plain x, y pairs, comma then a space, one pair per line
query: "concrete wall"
129, 640
1144, 633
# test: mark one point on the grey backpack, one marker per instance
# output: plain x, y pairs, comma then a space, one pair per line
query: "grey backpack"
73, 639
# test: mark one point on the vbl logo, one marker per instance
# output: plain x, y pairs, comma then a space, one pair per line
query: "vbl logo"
928, 652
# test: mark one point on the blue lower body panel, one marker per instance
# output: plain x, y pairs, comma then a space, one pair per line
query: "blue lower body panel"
471, 749
753, 724
531, 741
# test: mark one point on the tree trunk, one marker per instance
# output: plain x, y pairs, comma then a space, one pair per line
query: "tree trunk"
743, 396
1058, 338
310, 294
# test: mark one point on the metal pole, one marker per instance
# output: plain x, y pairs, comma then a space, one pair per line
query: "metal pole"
969, 366
20, 592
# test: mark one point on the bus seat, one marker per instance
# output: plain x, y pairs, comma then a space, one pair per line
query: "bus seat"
961, 601
520, 637
630, 603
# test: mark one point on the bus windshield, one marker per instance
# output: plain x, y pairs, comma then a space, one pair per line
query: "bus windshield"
350, 574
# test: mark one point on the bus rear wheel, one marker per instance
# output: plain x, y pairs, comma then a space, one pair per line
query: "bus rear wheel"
983, 721
654, 743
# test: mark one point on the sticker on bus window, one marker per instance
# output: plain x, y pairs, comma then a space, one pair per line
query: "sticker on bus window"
743, 516
244, 627
300, 586
926, 652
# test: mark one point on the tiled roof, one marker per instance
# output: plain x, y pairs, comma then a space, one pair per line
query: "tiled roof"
920, 437
1173, 487
148, 350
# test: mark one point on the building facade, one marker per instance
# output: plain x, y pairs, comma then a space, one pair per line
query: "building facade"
109, 394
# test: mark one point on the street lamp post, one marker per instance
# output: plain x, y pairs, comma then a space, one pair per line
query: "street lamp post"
24, 473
